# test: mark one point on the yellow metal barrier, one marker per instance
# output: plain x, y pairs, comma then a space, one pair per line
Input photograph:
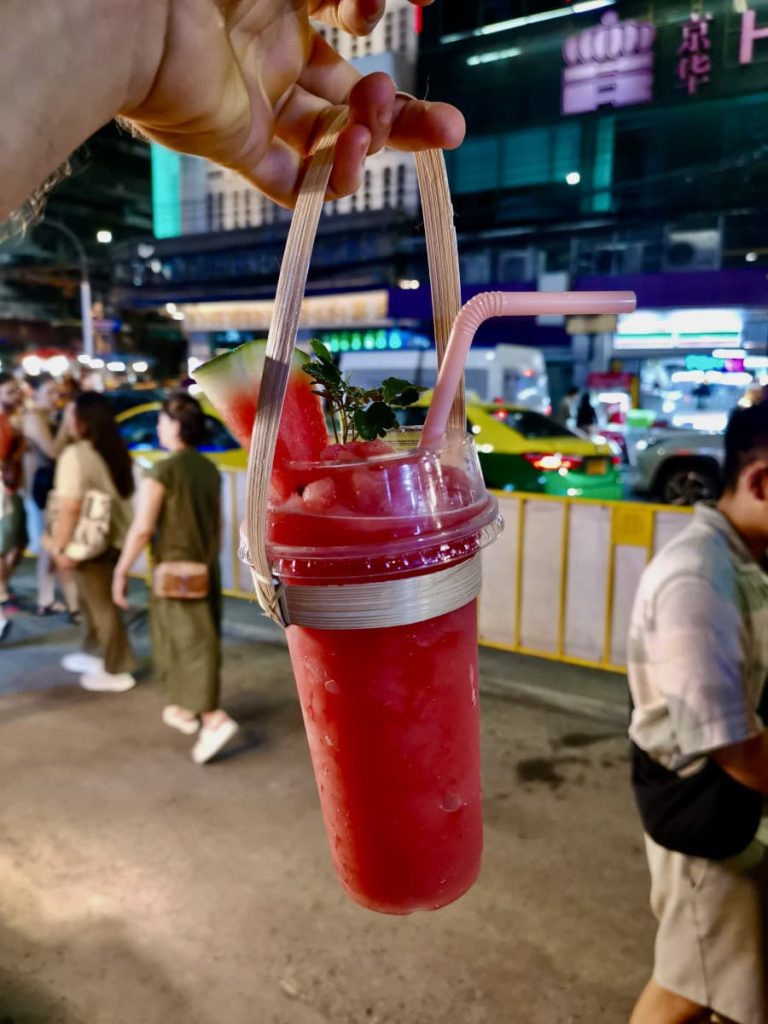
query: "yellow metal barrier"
623, 536
558, 583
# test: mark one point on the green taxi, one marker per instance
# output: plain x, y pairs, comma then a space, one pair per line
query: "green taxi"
522, 450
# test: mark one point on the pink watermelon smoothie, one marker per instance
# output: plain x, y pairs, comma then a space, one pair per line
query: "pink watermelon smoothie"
391, 713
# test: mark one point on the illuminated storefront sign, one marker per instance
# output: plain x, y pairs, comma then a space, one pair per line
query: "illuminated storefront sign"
749, 33
342, 310
373, 341
679, 329
608, 65
612, 64
695, 63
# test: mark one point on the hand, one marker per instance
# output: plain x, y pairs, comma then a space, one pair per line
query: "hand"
249, 84
120, 589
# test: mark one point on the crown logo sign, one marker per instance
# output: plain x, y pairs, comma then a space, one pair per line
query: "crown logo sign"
610, 64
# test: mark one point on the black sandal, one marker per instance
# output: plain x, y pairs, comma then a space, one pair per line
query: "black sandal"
57, 608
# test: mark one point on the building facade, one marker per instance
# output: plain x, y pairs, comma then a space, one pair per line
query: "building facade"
610, 144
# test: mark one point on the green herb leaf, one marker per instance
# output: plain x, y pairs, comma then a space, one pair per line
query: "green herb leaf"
400, 392
323, 373
393, 386
363, 427
358, 412
321, 351
374, 421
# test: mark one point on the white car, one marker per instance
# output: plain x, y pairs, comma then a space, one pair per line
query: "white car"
678, 467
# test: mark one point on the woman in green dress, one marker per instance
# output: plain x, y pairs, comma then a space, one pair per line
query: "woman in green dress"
179, 511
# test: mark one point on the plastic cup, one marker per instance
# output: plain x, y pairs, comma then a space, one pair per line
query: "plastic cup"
391, 712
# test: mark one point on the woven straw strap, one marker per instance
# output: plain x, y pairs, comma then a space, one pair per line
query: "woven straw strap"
446, 301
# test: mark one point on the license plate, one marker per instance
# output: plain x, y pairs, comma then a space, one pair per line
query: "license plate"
596, 467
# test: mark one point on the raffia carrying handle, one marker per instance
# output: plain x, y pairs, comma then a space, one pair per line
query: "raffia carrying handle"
443, 260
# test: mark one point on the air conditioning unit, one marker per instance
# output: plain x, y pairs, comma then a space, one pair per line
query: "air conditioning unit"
692, 250
619, 258
517, 265
475, 267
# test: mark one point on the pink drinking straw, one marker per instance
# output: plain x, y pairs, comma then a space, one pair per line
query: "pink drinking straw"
489, 304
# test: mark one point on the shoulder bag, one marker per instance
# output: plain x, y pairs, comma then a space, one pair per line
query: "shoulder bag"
181, 581
92, 532
708, 814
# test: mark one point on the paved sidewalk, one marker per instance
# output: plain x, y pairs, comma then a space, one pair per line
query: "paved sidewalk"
138, 888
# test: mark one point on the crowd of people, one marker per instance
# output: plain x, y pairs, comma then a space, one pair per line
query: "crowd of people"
67, 494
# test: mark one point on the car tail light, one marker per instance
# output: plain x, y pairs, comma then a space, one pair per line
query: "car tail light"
553, 462
616, 460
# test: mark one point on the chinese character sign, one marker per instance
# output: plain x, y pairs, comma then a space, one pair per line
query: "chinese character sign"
608, 65
694, 64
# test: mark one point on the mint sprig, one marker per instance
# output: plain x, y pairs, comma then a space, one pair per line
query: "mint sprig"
357, 413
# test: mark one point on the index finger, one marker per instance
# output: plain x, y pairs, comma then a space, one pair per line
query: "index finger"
358, 17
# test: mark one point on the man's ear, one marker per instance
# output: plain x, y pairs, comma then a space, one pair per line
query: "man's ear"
756, 479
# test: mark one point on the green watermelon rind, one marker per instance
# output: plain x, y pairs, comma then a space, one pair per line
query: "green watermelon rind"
231, 382
227, 374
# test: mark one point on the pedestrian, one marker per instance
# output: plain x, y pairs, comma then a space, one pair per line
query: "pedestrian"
265, 84
6, 439
566, 407
179, 510
13, 528
95, 472
586, 417
698, 662
45, 437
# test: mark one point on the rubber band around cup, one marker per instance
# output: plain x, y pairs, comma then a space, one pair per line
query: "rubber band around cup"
397, 602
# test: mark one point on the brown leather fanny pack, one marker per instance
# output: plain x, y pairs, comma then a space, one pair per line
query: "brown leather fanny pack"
182, 581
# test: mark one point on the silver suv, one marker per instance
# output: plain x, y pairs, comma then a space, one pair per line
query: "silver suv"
678, 467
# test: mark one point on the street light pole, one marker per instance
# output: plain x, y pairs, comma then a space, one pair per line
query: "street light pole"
85, 283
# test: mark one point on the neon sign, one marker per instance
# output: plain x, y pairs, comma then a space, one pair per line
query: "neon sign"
608, 65
749, 33
695, 64
373, 340
611, 64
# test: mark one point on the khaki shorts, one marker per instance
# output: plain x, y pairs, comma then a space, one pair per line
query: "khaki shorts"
13, 524
712, 942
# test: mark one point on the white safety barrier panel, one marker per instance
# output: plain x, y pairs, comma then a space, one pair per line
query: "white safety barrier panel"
560, 581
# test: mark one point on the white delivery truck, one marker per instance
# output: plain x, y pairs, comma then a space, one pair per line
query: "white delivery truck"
515, 374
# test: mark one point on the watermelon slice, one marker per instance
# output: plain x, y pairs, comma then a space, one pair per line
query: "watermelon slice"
231, 384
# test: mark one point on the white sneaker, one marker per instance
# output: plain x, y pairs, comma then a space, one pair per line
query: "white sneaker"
213, 738
80, 662
181, 719
107, 682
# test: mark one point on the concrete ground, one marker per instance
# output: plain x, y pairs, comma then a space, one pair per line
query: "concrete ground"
138, 888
